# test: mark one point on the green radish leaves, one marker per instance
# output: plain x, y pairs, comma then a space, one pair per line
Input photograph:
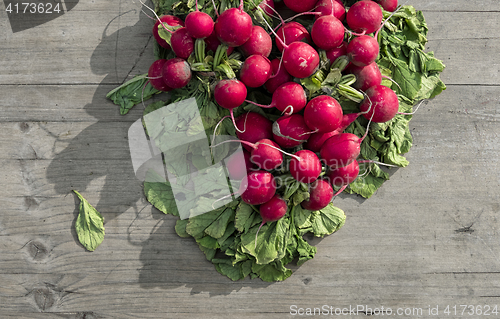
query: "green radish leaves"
132, 93
89, 225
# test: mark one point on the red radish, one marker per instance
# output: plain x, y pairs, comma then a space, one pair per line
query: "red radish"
317, 140
233, 27
300, 5
290, 131
323, 114
213, 43
238, 164
279, 76
321, 193
182, 44
257, 187
366, 76
176, 73
306, 168
331, 7
340, 150
344, 175
155, 74
230, 94
291, 32
266, 155
381, 104
363, 50
327, 32
288, 98
337, 52
167, 20
199, 24
254, 127
364, 16
255, 71
300, 60
388, 5
259, 43
271, 211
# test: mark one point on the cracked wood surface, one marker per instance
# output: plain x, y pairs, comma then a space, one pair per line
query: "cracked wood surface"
429, 236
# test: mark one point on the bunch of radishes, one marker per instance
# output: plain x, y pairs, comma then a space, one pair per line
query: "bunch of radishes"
309, 131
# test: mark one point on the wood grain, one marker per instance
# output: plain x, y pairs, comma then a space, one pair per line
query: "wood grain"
428, 237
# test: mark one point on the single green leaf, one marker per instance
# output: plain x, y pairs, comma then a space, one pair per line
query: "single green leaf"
218, 227
209, 252
197, 224
207, 242
327, 220
244, 218
159, 193
271, 272
89, 225
132, 93
180, 227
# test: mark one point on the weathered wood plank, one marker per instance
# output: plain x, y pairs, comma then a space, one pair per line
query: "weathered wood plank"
456, 6
71, 50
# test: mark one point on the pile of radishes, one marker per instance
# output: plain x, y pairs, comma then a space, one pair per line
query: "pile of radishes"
306, 141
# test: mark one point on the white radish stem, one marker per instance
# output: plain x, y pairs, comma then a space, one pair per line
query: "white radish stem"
414, 111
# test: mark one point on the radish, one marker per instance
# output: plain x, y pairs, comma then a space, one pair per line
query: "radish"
255, 71
279, 76
323, 114
257, 187
381, 104
199, 24
167, 20
364, 16
341, 149
300, 5
335, 53
290, 131
255, 127
300, 59
176, 73
363, 50
366, 76
266, 155
230, 94
306, 168
316, 140
321, 193
213, 43
388, 5
271, 211
331, 7
234, 26
259, 43
291, 32
327, 32
345, 175
288, 98
238, 164
182, 44
155, 74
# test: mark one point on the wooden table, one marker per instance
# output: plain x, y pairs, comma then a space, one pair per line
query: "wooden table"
429, 237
